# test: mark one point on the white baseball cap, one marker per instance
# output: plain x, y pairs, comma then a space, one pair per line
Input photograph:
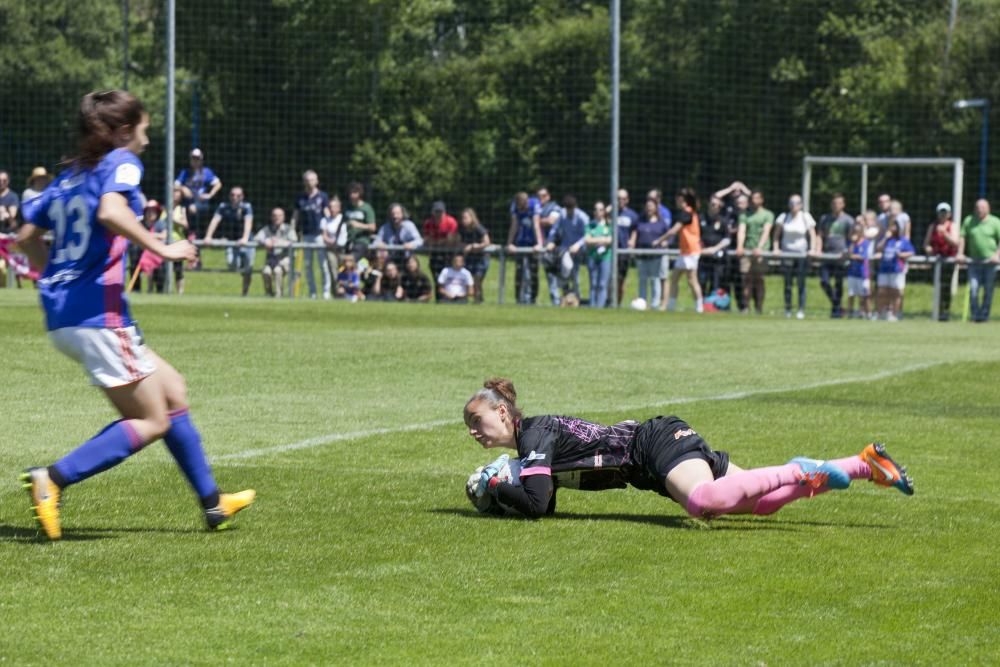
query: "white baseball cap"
944, 207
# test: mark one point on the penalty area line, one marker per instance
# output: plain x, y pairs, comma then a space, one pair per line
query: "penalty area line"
330, 438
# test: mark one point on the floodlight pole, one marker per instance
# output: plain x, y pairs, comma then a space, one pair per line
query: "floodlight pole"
169, 113
616, 19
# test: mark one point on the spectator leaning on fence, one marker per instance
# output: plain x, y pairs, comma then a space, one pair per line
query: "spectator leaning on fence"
549, 214
475, 239
649, 233
414, 284
311, 207
566, 239
277, 238
334, 229
941, 241
525, 232
9, 203
980, 242
399, 230
715, 239
627, 220
37, 182
859, 271
455, 284
598, 240
440, 237
834, 230
893, 251
360, 219
234, 220
754, 238
796, 234
199, 184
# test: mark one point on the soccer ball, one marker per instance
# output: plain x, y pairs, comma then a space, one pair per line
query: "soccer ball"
871, 232
639, 303
487, 504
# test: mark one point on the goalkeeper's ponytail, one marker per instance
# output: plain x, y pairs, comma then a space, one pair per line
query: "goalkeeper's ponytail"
497, 391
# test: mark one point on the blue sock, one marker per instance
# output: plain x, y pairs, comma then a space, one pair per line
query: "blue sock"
184, 443
111, 446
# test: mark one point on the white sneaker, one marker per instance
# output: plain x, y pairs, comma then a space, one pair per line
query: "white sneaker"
800, 315
327, 296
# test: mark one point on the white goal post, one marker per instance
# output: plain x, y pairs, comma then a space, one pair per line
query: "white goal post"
957, 165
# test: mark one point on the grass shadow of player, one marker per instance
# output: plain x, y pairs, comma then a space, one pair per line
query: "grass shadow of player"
661, 520
31, 535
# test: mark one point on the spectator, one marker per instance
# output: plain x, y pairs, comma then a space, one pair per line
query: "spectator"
373, 273
754, 235
199, 185
37, 182
882, 218
455, 282
525, 232
236, 219
649, 233
360, 219
941, 242
627, 220
566, 237
688, 228
440, 236
796, 234
9, 203
893, 251
349, 281
151, 215
901, 217
311, 207
859, 284
414, 285
980, 242
334, 231
179, 232
598, 240
549, 214
388, 287
277, 238
475, 239
716, 226
834, 234
735, 201
399, 231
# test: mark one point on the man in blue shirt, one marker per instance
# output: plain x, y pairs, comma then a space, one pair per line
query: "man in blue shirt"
236, 220
311, 206
198, 184
568, 236
549, 214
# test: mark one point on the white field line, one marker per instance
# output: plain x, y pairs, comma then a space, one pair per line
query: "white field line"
329, 438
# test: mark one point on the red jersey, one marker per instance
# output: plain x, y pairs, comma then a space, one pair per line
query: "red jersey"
440, 232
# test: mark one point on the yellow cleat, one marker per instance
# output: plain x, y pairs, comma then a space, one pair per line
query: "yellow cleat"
44, 500
220, 516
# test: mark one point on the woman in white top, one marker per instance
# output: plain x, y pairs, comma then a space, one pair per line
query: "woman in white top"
334, 230
797, 234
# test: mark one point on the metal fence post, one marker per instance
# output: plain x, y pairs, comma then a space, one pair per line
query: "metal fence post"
502, 278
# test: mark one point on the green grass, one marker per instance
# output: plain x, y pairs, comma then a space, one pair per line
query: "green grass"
362, 549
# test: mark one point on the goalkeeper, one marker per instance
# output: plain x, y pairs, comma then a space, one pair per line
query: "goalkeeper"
663, 454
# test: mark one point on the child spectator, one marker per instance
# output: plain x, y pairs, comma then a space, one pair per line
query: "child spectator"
414, 284
455, 283
893, 251
942, 241
349, 281
389, 286
372, 272
598, 240
859, 284
475, 239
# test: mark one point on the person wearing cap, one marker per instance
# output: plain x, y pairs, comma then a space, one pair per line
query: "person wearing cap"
979, 240
9, 203
942, 241
440, 236
36, 184
199, 184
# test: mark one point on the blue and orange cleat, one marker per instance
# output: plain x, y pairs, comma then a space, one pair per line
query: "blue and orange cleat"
44, 500
220, 516
818, 474
885, 471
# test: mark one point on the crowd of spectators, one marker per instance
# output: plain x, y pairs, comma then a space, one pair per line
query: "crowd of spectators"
724, 249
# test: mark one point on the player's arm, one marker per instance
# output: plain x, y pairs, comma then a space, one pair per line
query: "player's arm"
676, 227
114, 213
530, 499
31, 243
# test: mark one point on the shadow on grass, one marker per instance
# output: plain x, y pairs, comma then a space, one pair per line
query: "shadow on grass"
29, 535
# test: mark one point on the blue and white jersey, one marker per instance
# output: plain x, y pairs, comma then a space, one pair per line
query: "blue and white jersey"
890, 262
525, 237
83, 282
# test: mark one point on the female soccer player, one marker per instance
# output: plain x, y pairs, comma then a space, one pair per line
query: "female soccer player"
663, 454
91, 210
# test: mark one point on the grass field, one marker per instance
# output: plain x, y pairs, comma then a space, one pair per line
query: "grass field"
362, 548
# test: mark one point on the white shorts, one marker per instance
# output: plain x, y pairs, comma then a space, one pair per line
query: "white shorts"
859, 286
686, 263
111, 357
896, 281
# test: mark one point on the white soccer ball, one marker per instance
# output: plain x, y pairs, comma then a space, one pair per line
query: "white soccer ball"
639, 303
487, 504
871, 232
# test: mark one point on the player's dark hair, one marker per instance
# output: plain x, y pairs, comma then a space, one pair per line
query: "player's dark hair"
689, 196
101, 114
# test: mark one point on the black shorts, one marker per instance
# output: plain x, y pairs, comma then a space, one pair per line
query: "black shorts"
661, 444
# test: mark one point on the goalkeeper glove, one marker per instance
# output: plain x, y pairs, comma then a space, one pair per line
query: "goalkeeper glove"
489, 472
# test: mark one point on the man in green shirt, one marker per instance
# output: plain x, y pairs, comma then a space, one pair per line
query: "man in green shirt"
753, 235
360, 218
980, 242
